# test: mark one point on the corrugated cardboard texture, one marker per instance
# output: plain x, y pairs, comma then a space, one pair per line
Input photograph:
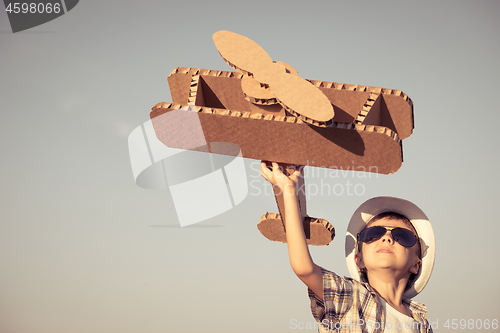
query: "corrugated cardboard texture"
286, 140
222, 89
365, 134
295, 94
271, 225
318, 231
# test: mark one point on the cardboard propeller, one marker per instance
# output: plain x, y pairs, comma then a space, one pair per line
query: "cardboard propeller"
296, 95
365, 133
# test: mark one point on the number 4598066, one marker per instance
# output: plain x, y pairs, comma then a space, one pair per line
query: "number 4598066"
33, 8
471, 324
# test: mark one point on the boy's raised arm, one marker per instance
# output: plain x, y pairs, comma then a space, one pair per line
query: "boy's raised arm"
298, 251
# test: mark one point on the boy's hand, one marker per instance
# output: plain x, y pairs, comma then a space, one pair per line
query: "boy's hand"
286, 183
300, 258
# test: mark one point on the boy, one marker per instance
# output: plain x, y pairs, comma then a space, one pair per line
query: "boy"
389, 258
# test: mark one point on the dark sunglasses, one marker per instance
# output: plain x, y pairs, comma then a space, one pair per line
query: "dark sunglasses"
403, 236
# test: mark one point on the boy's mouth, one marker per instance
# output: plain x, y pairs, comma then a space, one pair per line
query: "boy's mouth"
384, 250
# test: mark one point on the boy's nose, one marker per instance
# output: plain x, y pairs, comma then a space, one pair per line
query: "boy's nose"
388, 237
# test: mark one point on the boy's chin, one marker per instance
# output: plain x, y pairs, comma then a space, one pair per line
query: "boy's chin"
389, 270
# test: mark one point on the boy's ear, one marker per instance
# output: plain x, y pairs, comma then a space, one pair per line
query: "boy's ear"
416, 267
359, 261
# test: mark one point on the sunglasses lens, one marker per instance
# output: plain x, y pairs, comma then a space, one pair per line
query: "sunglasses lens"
404, 237
371, 234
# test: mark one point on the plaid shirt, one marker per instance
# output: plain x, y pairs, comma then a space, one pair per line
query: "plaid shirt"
352, 306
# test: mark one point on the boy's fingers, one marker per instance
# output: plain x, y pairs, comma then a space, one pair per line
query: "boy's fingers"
264, 170
262, 165
298, 169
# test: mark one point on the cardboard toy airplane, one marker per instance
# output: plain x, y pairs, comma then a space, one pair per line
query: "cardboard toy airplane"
272, 114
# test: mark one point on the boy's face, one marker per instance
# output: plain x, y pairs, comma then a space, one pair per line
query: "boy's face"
387, 255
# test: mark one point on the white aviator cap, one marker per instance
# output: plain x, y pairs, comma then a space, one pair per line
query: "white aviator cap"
418, 219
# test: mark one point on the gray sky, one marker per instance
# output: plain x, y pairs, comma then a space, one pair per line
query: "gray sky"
84, 249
